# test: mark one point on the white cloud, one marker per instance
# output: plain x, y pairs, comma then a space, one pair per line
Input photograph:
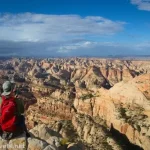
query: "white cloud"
143, 45
106, 48
76, 46
39, 27
85, 45
142, 4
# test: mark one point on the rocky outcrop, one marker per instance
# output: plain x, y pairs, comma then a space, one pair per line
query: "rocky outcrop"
94, 133
124, 112
42, 138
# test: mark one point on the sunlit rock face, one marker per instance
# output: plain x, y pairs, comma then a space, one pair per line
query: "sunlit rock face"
91, 99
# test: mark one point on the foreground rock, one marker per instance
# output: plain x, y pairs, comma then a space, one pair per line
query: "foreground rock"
42, 138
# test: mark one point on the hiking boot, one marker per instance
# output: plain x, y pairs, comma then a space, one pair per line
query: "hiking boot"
7, 135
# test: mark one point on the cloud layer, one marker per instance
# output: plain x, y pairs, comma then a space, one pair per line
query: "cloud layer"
72, 48
62, 35
39, 27
142, 4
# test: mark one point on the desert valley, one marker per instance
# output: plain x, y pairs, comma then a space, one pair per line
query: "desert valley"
82, 103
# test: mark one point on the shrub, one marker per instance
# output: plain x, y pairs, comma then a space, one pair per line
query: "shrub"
64, 141
87, 96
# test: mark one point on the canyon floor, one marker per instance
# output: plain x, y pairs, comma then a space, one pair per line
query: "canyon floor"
82, 103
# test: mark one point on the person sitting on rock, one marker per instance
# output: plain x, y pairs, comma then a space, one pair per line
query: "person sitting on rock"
12, 120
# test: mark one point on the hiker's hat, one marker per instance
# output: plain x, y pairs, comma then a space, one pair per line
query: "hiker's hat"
7, 88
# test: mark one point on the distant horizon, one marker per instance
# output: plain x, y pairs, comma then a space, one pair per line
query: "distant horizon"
136, 57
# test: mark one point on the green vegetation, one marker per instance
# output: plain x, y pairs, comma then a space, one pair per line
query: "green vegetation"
64, 141
87, 96
70, 131
123, 112
106, 146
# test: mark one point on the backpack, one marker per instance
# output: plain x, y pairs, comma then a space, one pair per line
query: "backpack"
8, 117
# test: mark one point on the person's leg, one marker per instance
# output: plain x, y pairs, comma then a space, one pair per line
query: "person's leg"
23, 125
1, 131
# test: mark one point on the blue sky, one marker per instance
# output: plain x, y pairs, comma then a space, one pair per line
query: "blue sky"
74, 27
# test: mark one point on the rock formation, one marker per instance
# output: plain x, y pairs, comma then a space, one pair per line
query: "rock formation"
83, 103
